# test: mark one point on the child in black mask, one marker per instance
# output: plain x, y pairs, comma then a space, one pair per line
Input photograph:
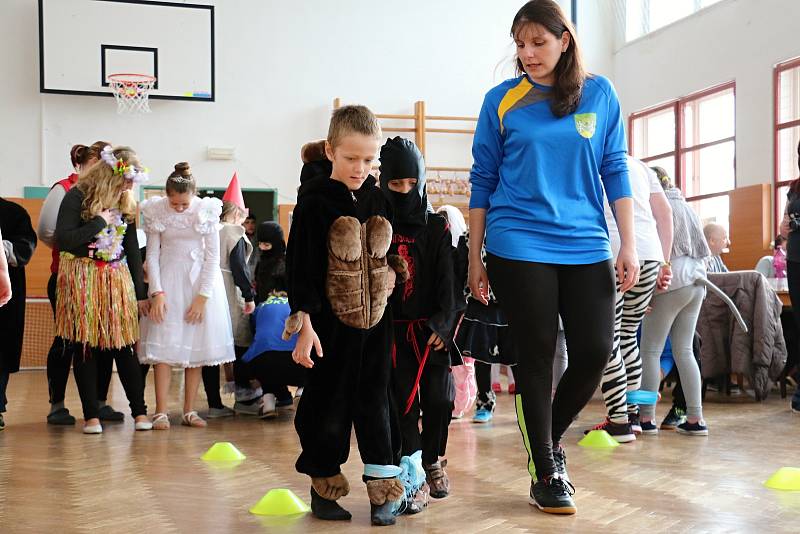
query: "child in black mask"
426, 310
271, 268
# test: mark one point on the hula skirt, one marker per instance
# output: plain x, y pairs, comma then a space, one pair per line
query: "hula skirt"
96, 303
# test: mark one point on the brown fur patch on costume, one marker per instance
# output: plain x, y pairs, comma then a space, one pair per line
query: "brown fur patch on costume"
385, 489
313, 151
292, 325
399, 265
331, 488
379, 236
344, 239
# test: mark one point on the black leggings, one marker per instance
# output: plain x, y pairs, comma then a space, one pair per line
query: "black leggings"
59, 360
275, 370
130, 374
532, 296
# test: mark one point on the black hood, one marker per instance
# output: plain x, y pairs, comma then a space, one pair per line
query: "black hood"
271, 232
400, 158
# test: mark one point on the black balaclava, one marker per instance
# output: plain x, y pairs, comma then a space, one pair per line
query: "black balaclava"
271, 232
400, 158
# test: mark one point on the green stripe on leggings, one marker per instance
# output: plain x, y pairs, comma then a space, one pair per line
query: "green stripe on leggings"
524, 430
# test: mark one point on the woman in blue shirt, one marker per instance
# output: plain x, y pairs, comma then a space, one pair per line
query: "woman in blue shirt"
548, 146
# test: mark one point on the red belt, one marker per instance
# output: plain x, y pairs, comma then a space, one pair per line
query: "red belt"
421, 358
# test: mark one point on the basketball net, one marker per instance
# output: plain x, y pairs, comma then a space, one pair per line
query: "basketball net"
131, 91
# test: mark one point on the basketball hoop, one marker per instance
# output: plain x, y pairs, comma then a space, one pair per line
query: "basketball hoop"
131, 91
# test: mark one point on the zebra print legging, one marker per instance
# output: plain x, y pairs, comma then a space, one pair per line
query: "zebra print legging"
624, 370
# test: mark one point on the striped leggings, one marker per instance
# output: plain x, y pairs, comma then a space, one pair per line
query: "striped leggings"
623, 372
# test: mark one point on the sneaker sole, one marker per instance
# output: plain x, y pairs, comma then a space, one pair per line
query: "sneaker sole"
692, 432
563, 510
653, 432
625, 438
269, 415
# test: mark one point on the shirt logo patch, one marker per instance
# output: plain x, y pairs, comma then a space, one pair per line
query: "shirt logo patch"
585, 124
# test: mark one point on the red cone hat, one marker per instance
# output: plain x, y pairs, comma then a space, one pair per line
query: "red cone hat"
234, 192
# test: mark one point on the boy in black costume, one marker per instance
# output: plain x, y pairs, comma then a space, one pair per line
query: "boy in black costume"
338, 286
426, 310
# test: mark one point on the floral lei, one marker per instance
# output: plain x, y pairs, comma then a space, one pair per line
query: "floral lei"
108, 242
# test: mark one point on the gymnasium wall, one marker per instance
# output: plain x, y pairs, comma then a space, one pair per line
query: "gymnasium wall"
279, 64
735, 39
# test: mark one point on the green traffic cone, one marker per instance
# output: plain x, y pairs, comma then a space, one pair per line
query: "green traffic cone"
785, 478
598, 439
223, 451
280, 501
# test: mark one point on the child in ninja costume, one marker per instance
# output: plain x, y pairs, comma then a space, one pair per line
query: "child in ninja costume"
426, 310
339, 281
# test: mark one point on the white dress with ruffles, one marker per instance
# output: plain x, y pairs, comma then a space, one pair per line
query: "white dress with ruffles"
183, 262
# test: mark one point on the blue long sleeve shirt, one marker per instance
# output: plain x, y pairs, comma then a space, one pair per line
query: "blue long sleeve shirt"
542, 177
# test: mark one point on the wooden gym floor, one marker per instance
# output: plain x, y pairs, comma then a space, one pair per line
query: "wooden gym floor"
55, 479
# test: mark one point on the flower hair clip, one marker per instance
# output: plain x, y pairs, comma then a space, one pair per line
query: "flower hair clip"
128, 172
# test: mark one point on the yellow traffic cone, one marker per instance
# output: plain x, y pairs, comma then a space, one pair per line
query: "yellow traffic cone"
280, 501
785, 478
598, 439
223, 451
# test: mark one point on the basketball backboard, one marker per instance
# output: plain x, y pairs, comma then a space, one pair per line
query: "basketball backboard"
81, 42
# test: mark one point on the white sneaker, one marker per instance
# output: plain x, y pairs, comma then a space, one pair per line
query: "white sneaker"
298, 393
267, 409
143, 425
247, 394
93, 429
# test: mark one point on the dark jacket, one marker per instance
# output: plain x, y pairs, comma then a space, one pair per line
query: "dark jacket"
15, 225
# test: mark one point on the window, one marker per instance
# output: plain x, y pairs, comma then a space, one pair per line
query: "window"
694, 140
645, 16
787, 130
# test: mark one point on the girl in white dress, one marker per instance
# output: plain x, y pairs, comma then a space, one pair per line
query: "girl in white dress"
189, 325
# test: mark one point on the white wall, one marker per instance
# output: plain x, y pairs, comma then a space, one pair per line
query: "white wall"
279, 65
738, 40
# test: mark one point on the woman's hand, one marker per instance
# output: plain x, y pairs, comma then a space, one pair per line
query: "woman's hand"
664, 277
306, 339
627, 268
249, 307
158, 308
144, 308
478, 280
107, 216
195, 313
436, 342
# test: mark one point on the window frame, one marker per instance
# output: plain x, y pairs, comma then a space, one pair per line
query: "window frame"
777, 126
679, 150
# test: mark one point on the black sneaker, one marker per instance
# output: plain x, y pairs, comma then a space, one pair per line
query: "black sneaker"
60, 417
107, 413
693, 429
674, 417
619, 431
649, 427
553, 495
560, 459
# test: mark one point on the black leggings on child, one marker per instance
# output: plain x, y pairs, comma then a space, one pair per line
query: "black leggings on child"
532, 296
85, 368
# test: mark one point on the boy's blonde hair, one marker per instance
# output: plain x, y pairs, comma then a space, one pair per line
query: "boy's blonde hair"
104, 189
231, 213
348, 120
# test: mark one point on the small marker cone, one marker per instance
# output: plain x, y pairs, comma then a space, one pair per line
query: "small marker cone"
598, 439
785, 478
223, 451
280, 502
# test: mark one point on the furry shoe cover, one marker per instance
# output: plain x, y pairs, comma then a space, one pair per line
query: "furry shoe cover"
384, 490
331, 488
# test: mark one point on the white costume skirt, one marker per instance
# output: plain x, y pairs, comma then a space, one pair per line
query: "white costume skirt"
178, 343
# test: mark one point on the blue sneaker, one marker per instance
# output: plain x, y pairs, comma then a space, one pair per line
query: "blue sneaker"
649, 427
482, 415
693, 429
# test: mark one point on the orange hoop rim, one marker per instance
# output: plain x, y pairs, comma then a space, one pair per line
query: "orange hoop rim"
130, 77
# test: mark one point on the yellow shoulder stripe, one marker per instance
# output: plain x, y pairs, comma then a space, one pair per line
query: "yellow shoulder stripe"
513, 96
